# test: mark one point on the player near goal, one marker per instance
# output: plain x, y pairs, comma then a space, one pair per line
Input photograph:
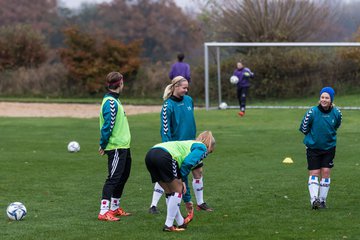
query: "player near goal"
243, 74
169, 164
319, 125
115, 143
178, 123
180, 68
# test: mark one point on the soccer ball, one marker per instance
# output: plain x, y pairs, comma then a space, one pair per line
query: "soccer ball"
73, 146
234, 79
16, 211
223, 105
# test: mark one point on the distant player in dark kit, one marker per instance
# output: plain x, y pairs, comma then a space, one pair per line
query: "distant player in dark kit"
244, 74
169, 164
180, 68
319, 125
115, 143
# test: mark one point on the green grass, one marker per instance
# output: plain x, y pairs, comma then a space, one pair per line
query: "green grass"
255, 196
341, 100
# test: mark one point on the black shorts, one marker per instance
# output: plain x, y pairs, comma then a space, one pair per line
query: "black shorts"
161, 166
318, 159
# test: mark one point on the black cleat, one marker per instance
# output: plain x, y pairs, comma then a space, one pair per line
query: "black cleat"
322, 205
204, 207
173, 229
316, 204
183, 226
154, 210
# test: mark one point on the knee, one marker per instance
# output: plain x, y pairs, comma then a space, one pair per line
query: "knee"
197, 173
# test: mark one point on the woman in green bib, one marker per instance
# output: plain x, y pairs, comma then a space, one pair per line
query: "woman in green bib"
169, 164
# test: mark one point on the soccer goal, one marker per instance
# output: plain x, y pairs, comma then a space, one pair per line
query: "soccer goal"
219, 45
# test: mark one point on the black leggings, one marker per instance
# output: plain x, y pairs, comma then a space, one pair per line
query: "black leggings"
241, 95
119, 165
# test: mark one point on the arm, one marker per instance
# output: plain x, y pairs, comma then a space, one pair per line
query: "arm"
306, 122
187, 195
171, 73
165, 122
251, 74
339, 119
187, 74
197, 153
109, 110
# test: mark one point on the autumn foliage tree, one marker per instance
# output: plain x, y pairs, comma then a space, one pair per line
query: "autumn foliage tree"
37, 13
88, 60
21, 46
161, 25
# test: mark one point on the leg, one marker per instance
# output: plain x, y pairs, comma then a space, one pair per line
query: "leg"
173, 191
314, 166
324, 186
244, 92
326, 164
313, 185
161, 167
198, 186
122, 172
238, 93
109, 186
157, 193
241, 95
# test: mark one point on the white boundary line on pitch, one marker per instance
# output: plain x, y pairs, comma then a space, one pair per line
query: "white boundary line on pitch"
285, 107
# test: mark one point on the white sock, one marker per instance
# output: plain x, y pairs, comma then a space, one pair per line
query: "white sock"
324, 189
313, 185
115, 203
172, 208
158, 192
179, 218
104, 206
198, 186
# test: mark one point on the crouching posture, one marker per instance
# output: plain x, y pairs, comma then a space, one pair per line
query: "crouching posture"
169, 164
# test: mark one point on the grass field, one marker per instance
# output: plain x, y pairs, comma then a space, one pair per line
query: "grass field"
255, 196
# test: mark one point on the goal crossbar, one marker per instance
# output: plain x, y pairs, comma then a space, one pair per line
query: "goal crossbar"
218, 45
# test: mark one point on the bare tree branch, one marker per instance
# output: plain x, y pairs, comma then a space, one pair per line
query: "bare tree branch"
270, 20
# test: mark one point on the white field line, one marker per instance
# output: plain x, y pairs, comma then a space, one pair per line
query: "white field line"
286, 107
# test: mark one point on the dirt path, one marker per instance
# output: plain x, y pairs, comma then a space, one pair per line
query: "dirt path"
11, 109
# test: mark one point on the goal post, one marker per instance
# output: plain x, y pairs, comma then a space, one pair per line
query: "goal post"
218, 45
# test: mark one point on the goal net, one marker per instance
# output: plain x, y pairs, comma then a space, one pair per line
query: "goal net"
282, 69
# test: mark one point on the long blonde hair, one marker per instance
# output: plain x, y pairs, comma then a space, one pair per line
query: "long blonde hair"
175, 82
208, 139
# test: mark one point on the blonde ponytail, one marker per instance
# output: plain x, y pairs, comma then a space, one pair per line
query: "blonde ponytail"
169, 89
208, 139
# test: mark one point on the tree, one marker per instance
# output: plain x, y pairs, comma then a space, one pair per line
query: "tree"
37, 13
88, 60
269, 20
160, 24
21, 46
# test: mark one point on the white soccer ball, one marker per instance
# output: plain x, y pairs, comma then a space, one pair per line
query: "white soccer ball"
223, 105
234, 79
73, 146
16, 211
